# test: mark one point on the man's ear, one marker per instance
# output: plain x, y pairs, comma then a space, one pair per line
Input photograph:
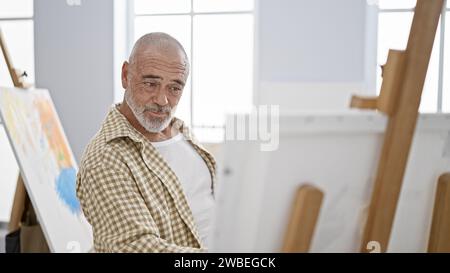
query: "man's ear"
125, 75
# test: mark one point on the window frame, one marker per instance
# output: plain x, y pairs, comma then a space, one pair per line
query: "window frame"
442, 30
254, 12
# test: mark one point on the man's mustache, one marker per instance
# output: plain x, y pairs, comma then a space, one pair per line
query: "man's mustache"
157, 108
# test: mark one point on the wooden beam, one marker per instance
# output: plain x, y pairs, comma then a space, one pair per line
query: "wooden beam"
401, 125
302, 223
440, 227
364, 102
18, 206
13, 73
393, 72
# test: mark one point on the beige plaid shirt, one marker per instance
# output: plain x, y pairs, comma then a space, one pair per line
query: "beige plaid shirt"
131, 197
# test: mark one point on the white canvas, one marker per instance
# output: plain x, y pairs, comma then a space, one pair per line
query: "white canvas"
338, 153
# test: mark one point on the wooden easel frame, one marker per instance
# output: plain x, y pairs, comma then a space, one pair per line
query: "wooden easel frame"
439, 240
403, 79
303, 219
20, 196
401, 91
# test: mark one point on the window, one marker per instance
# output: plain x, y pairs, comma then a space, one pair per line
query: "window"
394, 23
218, 37
16, 23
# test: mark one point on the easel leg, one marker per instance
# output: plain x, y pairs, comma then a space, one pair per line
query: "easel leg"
18, 205
302, 223
440, 228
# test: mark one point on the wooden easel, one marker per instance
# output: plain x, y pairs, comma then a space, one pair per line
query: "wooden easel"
303, 219
21, 195
440, 227
21, 203
403, 80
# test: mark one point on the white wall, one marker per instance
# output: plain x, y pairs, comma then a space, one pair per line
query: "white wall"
74, 60
314, 54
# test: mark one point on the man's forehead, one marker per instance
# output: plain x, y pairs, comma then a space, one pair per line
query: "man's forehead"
172, 60
150, 62
165, 53
158, 67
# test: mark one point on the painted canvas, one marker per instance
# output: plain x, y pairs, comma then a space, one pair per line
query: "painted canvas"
47, 166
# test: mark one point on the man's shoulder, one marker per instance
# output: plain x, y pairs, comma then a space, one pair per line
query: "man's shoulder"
110, 144
94, 152
101, 152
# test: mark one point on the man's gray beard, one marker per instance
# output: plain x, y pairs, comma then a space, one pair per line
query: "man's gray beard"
152, 126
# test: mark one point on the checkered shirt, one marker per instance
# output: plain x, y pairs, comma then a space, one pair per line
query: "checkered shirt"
131, 197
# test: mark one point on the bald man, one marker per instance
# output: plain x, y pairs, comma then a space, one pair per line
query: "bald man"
144, 183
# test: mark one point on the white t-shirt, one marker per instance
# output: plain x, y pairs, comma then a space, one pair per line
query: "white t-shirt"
194, 177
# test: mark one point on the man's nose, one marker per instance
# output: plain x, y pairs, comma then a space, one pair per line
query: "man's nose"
161, 98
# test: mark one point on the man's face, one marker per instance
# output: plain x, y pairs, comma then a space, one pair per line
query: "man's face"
154, 83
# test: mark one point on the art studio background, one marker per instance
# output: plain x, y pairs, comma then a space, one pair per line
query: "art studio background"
307, 55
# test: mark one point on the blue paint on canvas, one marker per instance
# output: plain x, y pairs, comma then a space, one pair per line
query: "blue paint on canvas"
65, 187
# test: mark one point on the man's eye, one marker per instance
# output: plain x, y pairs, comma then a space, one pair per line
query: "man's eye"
175, 90
150, 84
